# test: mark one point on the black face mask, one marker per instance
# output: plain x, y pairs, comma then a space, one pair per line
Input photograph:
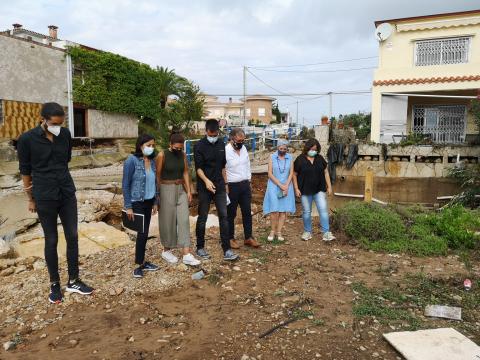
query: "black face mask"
282, 153
237, 146
177, 152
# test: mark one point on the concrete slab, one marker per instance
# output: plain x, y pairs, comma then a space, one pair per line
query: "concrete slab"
434, 344
92, 238
14, 210
447, 312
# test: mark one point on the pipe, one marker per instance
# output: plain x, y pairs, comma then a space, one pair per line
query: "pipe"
349, 195
71, 126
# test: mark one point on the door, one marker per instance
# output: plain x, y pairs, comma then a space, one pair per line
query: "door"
80, 122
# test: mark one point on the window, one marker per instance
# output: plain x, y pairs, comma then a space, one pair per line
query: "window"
261, 111
79, 73
442, 51
247, 112
441, 123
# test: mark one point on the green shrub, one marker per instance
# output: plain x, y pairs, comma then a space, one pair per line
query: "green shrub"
455, 224
369, 223
410, 230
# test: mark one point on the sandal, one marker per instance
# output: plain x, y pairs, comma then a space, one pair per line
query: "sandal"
271, 237
280, 238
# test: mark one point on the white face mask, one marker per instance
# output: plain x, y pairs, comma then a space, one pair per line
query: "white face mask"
54, 129
148, 150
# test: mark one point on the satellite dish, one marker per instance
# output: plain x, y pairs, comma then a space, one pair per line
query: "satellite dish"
383, 31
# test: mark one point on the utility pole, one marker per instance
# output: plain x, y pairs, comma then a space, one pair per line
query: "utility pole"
330, 96
296, 118
244, 95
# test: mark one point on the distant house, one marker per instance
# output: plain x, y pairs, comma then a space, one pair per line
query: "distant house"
257, 107
228, 112
428, 72
38, 70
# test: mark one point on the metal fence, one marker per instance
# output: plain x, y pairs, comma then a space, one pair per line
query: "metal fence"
253, 141
442, 124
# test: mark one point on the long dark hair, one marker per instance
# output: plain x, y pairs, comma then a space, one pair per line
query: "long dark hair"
142, 139
309, 144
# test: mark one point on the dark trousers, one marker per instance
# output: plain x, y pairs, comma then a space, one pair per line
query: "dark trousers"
205, 197
240, 194
145, 208
48, 212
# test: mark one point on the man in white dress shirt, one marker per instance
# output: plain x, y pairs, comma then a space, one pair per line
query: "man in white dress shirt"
239, 189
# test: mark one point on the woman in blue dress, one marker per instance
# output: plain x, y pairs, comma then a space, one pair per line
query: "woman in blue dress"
279, 197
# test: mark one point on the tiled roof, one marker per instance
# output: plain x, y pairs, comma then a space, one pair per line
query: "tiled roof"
431, 80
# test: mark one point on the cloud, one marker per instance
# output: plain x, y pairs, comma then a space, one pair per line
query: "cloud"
210, 41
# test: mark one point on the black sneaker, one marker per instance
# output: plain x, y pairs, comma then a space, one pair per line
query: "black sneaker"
78, 286
138, 272
148, 266
56, 295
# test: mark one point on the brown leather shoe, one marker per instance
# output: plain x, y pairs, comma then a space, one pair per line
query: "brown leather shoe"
234, 244
252, 243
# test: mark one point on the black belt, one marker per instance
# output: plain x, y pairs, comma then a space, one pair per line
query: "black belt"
239, 182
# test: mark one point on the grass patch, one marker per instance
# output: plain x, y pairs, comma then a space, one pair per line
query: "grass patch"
275, 242
391, 305
260, 256
410, 230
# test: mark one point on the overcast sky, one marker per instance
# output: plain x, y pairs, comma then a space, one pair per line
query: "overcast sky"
210, 41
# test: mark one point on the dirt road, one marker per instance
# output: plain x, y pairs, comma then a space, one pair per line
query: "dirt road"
169, 316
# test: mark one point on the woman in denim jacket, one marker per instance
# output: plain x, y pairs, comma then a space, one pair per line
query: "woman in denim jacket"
140, 195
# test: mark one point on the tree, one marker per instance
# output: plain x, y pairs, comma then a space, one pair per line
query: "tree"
169, 83
180, 114
475, 110
276, 113
361, 122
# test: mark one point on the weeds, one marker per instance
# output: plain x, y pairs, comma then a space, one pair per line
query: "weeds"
391, 305
409, 230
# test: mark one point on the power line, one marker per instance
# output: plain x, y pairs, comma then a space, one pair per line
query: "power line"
312, 64
271, 87
319, 71
353, 92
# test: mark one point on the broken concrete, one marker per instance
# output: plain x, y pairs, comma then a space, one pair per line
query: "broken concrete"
14, 211
447, 312
93, 238
434, 344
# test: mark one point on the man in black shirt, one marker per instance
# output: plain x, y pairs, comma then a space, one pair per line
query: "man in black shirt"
210, 163
44, 153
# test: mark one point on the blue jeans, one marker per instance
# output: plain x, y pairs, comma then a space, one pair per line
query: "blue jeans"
322, 207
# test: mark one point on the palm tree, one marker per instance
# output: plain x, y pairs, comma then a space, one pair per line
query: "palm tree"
169, 83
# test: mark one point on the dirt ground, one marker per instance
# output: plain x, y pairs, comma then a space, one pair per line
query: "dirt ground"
167, 315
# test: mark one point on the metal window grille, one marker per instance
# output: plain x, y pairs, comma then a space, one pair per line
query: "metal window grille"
442, 124
442, 51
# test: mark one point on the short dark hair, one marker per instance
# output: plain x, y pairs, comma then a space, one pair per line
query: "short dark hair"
212, 125
176, 138
311, 143
51, 109
142, 139
236, 132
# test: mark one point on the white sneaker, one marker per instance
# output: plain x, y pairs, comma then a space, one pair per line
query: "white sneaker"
189, 259
328, 236
306, 236
169, 257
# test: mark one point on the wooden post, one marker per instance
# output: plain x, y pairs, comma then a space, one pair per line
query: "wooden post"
368, 185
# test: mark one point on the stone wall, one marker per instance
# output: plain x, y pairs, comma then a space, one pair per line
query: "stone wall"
32, 72
107, 125
410, 161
